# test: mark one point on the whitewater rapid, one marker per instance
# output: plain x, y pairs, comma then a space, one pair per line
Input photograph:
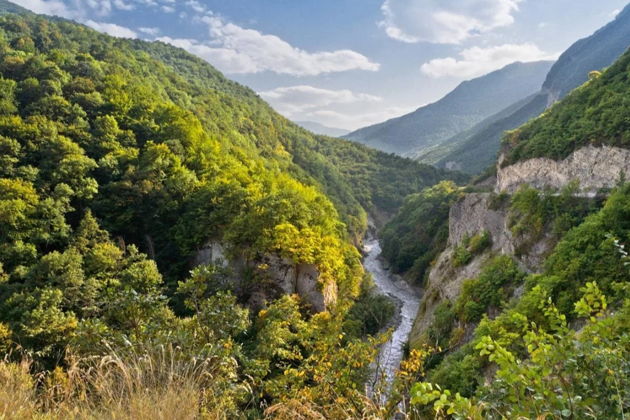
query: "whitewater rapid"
391, 353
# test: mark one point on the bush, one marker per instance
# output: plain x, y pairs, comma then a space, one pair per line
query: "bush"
470, 247
440, 331
490, 289
461, 256
479, 243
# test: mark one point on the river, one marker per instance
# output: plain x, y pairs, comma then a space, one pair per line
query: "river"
408, 299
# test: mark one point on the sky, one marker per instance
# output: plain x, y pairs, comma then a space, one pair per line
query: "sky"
348, 63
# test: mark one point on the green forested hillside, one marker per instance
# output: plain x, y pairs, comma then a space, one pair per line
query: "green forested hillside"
562, 347
598, 113
8, 7
555, 344
119, 160
418, 232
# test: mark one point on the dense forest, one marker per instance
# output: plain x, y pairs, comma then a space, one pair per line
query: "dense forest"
597, 113
517, 344
122, 161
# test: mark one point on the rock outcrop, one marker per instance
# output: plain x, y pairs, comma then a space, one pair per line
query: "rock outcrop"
595, 168
274, 274
474, 214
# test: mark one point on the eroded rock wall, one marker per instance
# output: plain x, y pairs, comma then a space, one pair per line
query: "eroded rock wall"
474, 214
595, 168
276, 274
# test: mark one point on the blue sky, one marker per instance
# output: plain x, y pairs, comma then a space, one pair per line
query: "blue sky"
348, 63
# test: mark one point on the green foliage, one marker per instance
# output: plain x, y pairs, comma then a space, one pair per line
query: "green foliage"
370, 313
491, 289
470, 247
120, 159
418, 233
595, 114
440, 330
479, 243
563, 373
460, 370
585, 276
461, 256
533, 213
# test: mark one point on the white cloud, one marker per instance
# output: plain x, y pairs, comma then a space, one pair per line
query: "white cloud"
234, 49
334, 108
294, 99
150, 31
47, 7
80, 9
112, 29
231, 48
476, 61
196, 6
353, 119
444, 21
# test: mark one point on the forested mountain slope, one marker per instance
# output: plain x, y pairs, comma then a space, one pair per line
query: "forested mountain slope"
119, 161
471, 102
477, 149
8, 7
597, 113
594, 52
527, 301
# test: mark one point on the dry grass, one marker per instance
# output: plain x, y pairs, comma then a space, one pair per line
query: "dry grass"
156, 386
17, 395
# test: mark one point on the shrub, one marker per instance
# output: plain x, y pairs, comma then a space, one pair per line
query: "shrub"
470, 247
461, 256
488, 290
440, 331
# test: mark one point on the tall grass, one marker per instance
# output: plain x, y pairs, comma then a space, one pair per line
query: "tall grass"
156, 385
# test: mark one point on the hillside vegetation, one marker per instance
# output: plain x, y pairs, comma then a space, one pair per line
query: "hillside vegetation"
517, 344
119, 160
598, 113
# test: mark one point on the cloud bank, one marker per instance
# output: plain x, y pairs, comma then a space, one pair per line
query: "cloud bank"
444, 21
477, 61
237, 50
292, 99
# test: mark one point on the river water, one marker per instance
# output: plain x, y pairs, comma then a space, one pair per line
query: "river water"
408, 299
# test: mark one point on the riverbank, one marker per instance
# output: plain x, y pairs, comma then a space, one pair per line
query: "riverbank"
407, 300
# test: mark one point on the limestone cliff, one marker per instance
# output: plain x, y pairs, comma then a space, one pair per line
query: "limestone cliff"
274, 275
595, 168
475, 214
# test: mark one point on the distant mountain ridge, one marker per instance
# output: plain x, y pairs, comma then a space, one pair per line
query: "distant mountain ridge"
322, 129
476, 149
471, 102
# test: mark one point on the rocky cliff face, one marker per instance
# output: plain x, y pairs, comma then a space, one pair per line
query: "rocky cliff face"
274, 275
474, 214
595, 168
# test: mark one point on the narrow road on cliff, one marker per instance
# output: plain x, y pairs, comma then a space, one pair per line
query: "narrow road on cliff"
408, 300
